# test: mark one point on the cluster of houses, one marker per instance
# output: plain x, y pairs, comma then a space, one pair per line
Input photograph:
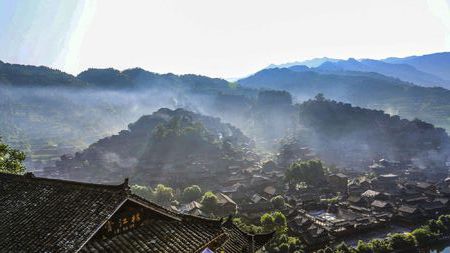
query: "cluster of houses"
347, 204
247, 194
391, 192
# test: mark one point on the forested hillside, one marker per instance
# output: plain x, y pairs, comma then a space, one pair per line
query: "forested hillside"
352, 136
339, 133
167, 146
361, 89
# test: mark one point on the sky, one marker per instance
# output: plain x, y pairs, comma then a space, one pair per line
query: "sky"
228, 38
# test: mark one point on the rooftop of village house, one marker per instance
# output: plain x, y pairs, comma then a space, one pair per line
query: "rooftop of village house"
65, 216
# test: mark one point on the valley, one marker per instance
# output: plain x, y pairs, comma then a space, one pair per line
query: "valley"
331, 153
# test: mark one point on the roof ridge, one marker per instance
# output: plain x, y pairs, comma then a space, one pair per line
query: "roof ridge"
29, 177
191, 217
182, 216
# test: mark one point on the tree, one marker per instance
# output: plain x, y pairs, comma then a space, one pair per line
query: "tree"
279, 221
209, 202
363, 247
274, 221
267, 222
380, 246
423, 236
328, 250
11, 160
320, 97
163, 194
143, 191
401, 241
436, 226
283, 248
192, 193
278, 202
445, 221
311, 172
342, 248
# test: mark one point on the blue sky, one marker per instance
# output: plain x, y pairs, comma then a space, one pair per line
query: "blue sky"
218, 38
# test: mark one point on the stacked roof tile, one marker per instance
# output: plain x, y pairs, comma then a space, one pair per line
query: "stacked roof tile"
48, 215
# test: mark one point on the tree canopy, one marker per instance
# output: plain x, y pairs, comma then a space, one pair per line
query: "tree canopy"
278, 202
192, 193
11, 160
311, 172
143, 191
163, 194
209, 202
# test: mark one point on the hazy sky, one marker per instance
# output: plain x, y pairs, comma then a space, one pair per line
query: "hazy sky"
228, 38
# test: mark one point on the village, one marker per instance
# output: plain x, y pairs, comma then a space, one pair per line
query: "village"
339, 205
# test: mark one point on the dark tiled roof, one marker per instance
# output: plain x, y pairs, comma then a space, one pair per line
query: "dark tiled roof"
187, 235
52, 215
48, 215
241, 242
380, 204
407, 209
341, 175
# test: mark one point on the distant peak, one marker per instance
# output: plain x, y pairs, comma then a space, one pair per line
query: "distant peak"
352, 60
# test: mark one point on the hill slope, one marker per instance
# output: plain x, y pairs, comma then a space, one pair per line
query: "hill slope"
363, 89
169, 146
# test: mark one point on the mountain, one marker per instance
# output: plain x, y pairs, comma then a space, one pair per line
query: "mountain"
50, 117
312, 63
179, 147
137, 78
349, 136
337, 133
47, 112
165, 147
437, 64
23, 76
300, 68
27, 76
369, 90
402, 71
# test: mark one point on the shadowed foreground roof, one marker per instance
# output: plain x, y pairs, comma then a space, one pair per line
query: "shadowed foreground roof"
48, 215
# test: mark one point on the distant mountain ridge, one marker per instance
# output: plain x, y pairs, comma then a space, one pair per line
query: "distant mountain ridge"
22, 76
437, 64
427, 70
404, 72
312, 63
28, 75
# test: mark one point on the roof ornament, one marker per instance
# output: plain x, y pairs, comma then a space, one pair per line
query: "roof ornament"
28, 175
229, 220
126, 186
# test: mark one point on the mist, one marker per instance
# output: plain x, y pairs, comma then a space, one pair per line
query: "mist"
48, 122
